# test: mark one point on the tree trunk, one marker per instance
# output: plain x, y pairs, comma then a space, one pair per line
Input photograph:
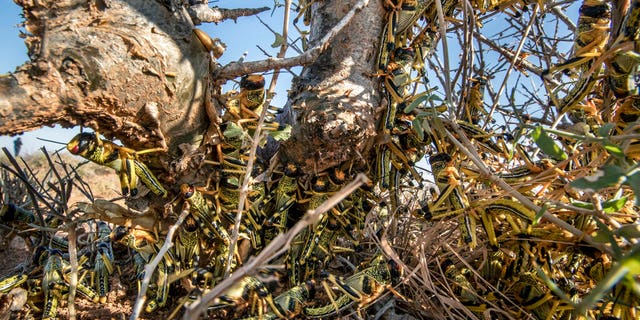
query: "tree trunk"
335, 98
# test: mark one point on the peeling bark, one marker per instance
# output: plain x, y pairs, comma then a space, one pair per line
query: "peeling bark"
105, 65
335, 99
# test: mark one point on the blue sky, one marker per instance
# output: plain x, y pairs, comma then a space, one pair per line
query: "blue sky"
241, 36
14, 51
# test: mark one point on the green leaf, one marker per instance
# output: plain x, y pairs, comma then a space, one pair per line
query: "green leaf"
582, 204
603, 235
609, 176
547, 144
417, 126
415, 103
281, 135
279, 40
613, 149
606, 129
233, 130
611, 206
632, 263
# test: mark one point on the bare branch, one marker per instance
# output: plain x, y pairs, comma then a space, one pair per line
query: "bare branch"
509, 54
111, 212
256, 141
201, 13
513, 61
442, 25
556, 10
73, 260
151, 266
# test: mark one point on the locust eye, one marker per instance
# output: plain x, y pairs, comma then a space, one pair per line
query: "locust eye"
80, 143
311, 288
75, 149
291, 170
83, 144
187, 190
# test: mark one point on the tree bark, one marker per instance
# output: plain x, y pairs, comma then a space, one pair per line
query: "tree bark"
129, 69
335, 99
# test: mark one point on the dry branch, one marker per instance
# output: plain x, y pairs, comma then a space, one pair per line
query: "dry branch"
202, 13
150, 268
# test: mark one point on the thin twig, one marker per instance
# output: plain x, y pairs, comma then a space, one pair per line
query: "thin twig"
33, 193
557, 11
202, 13
509, 54
73, 260
244, 190
150, 268
285, 33
38, 184
445, 50
513, 63
487, 283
